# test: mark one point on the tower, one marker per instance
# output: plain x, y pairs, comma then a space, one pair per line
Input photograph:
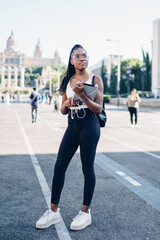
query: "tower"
38, 51
57, 59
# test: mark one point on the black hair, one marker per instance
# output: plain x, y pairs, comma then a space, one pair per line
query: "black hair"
34, 88
70, 70
133, 89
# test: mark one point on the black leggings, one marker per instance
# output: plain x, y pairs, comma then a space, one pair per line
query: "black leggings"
84, 133
133, 110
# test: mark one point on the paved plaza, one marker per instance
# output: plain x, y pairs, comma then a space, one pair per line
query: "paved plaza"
126, 202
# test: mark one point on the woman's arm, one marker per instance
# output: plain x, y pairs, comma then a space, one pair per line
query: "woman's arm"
95, 106
130, 98
64, 106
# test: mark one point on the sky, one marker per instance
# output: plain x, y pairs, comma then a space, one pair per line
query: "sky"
60, 24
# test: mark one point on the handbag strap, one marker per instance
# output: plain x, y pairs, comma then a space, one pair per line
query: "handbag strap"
93, 78
34, 97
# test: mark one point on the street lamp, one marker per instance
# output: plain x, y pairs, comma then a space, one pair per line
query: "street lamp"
119, 70
143, 71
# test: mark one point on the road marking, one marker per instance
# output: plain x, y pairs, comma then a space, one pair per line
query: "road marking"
129, 179
132, 181
131, 146
140, 133
121, 173
61, 229
156, 122
57, 129
135, 183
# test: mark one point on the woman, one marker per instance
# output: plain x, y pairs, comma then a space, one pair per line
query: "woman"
83, 130
133, 105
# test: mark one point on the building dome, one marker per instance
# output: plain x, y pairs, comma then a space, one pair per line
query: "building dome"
12, 43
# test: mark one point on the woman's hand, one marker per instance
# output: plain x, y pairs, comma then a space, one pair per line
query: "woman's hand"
78, 88
70, 102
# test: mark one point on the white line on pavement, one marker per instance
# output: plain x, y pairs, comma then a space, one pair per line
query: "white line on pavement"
135, 183
57, 129
140, 133
156, 122
132, 181
60, 227
129, 179
130, 146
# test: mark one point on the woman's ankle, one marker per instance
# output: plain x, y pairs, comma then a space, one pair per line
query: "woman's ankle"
54, 207
85, 209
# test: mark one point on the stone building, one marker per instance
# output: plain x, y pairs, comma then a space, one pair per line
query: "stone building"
13, 63
156, 58
108, 62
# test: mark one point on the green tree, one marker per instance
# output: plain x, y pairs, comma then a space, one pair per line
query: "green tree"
62, 70
113, 80
31, 74
104, 77
132, 80
37, 70
147, 74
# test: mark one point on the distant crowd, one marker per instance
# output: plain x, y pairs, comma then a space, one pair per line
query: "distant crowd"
6, 97
47, 98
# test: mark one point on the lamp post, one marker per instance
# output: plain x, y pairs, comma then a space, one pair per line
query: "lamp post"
143, 71
119, 70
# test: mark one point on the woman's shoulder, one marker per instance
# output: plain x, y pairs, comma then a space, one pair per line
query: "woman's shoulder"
97, 79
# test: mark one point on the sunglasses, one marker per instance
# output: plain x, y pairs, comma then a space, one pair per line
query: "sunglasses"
80, 56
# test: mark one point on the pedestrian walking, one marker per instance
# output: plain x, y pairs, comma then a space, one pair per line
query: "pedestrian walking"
83, 130
7, 98
55, 102
43, 98
3, 97
35, 97
50, 98
133, 106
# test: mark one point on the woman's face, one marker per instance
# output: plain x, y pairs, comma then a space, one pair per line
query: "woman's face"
79, 59
133, 92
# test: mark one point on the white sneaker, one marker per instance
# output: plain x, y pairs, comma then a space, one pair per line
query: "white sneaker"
81, 221
137, 126
132, 126
48, 218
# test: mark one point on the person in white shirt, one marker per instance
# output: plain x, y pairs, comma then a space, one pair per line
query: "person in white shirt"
133, 106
